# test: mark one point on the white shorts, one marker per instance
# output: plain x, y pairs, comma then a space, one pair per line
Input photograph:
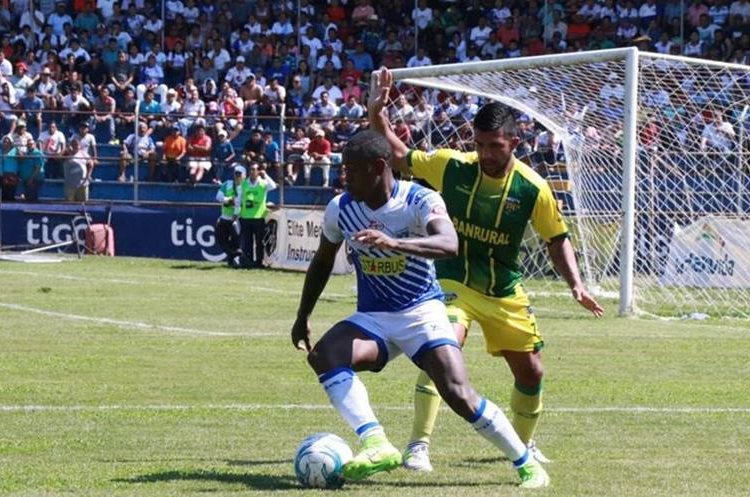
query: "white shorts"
201, 163
413, 331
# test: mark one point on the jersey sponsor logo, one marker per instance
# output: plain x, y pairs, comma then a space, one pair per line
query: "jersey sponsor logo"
383, 266
480, 233
512, 204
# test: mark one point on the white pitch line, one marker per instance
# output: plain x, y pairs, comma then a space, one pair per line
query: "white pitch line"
131, 324
316, 407
147, 281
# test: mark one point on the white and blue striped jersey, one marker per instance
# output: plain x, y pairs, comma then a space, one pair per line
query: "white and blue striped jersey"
388, 281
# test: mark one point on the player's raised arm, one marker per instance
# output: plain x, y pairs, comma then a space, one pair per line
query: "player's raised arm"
380, 86
315, 281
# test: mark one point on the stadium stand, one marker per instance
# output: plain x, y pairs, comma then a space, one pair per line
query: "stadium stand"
251, 66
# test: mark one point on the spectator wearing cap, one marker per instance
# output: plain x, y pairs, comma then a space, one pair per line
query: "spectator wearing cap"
21, 80
239, 73
142, 145
152, 78
253, 211
20, 136
227, 232
319, 155
222, 154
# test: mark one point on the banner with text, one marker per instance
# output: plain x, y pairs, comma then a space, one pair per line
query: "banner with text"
710, 253
293, 237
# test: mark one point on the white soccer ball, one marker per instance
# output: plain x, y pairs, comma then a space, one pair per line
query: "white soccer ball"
320, 459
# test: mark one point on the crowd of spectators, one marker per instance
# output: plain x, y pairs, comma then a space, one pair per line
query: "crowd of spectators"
213, 78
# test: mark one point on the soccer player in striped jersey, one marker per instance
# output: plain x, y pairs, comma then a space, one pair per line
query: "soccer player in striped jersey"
491, 197
394, 229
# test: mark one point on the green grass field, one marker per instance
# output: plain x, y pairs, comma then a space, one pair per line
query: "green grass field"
154, 378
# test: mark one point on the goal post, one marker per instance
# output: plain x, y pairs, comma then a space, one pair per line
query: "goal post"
645, 152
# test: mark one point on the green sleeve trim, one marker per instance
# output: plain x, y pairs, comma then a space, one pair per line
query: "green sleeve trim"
408, 158
561, 236
528, 390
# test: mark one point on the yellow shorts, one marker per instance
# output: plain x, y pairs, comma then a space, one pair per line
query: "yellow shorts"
508, 323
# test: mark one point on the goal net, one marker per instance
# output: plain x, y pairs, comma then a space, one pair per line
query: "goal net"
646, 154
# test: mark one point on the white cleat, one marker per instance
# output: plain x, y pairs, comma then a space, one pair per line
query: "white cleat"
417, 457
536, 453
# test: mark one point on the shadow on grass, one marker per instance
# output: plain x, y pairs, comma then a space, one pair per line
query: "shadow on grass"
245, 462
262, 481
257, 481
198, 267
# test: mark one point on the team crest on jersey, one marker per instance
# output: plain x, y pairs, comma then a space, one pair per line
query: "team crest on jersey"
449, 297
512, 204
375, 225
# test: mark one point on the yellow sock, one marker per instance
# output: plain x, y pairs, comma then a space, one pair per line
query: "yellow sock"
526, 404
426, 405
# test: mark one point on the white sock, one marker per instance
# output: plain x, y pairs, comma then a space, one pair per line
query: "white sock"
492, 424
349, 396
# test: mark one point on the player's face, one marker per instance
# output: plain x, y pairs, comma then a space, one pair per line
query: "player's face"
495, 150
361, 179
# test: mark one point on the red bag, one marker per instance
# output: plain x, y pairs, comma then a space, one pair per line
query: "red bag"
100, 240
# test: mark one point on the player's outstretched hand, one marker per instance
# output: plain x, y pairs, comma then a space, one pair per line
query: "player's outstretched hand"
301, 335
380, 85
375, 238
586, 300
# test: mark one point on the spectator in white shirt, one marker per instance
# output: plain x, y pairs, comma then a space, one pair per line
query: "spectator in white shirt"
238, 74
422, 15
481, 33
420, 59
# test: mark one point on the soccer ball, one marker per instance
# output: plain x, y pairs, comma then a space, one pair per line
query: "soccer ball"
320, 459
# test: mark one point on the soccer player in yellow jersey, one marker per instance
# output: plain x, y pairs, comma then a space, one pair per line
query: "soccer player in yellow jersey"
491, 196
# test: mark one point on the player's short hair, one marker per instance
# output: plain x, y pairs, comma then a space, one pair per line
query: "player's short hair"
366, 147
495, 116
